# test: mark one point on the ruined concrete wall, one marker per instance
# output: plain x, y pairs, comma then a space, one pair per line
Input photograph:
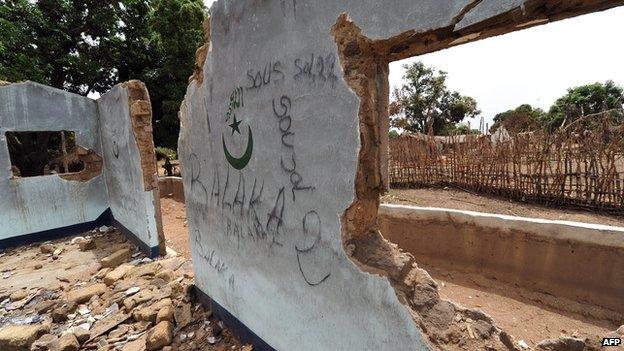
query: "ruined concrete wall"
171, 187
281, 134
34, 204
130, 165
579, 261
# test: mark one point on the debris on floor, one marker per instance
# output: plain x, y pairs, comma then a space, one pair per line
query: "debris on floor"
67, 295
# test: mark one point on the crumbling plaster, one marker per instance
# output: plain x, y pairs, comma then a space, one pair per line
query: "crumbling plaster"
282, 150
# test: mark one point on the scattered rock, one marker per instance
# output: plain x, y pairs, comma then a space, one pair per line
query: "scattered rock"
523, 345
182, 314
46, 248
159, 336
116, 258
165, 314
116, 274
84, 294
87, 244
44, 306
483, 329
60, 314
149, 313
211, 340
43, 343
19, 337
562, 344
166, 275
38, 266
105, 229
119, 332
82, 334
19, 295
131, 291
67, 342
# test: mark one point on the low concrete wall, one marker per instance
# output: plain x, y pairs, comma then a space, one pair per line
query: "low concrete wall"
579, 261
171, 187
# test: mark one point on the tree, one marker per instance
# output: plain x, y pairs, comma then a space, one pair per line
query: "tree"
585, 100
86, 46
523, 118
177, 25
424, 102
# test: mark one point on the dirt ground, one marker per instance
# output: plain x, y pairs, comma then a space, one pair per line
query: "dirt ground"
175, 226
461, 200
526, 315
522, 313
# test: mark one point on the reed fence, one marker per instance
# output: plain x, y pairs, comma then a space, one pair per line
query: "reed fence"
580, 165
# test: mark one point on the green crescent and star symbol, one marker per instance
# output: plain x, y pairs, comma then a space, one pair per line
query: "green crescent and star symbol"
242, 161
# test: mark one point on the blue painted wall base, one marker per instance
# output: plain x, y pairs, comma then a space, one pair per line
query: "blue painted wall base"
106, 218
240, 330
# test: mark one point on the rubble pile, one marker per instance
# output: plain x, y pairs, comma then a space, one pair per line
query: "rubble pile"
121, 300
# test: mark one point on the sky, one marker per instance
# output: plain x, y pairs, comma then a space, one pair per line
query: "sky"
534, 66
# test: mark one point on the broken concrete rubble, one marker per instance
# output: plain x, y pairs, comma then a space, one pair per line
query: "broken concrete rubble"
92, 314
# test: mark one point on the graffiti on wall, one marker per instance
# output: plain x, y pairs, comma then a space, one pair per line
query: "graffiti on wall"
250, 211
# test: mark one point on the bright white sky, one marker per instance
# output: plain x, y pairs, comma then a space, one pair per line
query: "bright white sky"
534, 66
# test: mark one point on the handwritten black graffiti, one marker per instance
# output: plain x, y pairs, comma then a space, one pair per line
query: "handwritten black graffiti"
115, 149
311, 227
196, 183
240, 212
316, 69
236, 101
275, 218
210, 258
287, 137
207, 115
271, 72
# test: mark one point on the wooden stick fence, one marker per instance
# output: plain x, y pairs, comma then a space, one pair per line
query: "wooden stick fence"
580, 165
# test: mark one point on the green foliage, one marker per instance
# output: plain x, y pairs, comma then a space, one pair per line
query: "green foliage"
425, 102
523, 118
393, 134
86, 46
164, 153
585, 100
461, 129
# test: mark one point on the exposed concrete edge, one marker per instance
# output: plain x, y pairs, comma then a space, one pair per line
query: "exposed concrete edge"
140, 108
590, 233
